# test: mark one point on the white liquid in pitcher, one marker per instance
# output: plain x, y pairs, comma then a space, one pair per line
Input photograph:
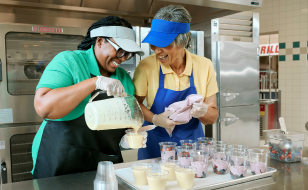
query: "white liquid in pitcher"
113, 113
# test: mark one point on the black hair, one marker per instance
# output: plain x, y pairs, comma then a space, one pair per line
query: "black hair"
107, 21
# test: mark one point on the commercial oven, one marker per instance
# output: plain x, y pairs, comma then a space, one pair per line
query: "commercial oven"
25, 52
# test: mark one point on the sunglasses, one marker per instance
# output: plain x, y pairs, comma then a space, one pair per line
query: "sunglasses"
121, 52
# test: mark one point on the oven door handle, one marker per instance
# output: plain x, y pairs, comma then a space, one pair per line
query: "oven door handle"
3, 173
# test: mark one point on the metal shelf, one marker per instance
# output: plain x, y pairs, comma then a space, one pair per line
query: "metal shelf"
23, 93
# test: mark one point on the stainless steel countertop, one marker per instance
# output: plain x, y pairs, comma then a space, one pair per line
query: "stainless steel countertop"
289, 176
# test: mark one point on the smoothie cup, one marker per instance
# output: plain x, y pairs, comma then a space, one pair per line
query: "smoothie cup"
135, 140
139, 172
200, 162
185, 176
188, 142
238, 147
258, 160
238, 164
207, 139
167, 150
204, 145
184, 154
169, 165
157, 179
220, 159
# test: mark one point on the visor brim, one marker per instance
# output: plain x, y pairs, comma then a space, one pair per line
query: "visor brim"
159, 39
129, 45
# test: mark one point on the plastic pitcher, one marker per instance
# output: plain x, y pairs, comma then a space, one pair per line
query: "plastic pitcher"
113, 113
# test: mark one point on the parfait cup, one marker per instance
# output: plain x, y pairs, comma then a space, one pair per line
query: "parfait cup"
238, 164
200, 162
238, 147
207, 139
139, 170
258, 160
221, 143
157, 179
205, 146
169, 165
220, 159
185, 176
184, 153
167, 150
188, 142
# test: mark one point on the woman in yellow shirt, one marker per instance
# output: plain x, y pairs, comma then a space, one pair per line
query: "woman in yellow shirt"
170, 75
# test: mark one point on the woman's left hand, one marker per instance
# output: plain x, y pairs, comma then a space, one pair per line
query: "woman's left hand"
199, 109
124, 141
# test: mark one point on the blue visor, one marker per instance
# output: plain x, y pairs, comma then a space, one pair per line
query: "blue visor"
163, 32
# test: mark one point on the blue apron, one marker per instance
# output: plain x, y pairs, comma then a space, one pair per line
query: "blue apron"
164, 97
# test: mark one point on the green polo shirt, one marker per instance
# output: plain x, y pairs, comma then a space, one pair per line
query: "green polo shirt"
69, 68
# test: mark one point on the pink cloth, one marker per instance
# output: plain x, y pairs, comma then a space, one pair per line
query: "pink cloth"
182, 108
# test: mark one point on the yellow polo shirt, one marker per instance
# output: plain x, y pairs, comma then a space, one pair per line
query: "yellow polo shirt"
146, 77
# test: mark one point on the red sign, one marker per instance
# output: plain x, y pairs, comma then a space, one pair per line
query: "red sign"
262, 110
269, 49
47, 29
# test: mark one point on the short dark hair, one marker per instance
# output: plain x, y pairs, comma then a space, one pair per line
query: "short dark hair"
107, 21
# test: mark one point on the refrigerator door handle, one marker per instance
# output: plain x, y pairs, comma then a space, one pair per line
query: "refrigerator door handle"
230, 119
230, 96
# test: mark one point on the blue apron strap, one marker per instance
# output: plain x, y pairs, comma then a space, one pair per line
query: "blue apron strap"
191, 78
161, 79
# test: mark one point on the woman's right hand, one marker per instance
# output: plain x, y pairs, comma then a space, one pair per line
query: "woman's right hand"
162, 120
111, 86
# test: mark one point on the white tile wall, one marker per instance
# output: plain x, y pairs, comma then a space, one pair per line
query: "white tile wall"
290, 19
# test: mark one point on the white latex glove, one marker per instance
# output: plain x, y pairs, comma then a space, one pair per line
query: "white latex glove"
199, 109
162, 120
111, 86
124, 141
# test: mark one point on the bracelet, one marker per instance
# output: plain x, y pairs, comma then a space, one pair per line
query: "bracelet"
153, 120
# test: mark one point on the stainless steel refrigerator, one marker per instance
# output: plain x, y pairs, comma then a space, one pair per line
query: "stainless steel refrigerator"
234, 46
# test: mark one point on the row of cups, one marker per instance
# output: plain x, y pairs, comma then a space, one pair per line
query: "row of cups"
192, 162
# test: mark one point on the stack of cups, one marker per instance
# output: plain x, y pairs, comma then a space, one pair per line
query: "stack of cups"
200, 162
105, 178
220, 159
185, 176
184, 153
139, 170
238, 164
167, 150
157, 179
258, 160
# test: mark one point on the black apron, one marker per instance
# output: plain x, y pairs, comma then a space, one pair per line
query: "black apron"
70, 147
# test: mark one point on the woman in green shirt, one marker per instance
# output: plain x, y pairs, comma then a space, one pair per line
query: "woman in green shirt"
64, 144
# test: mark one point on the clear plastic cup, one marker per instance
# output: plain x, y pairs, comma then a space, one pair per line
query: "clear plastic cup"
105, 178
188, 142
139, 172
167, 150
220, 159
238, 147
184, 154
169, 165
200, 162
204, 145
135, 140
221, 143
258, 160
185, 176
238, 164
207, 139
157, 179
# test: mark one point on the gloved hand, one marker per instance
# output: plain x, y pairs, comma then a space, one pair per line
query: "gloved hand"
162, 120
199, 109
111, 86
124, 141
